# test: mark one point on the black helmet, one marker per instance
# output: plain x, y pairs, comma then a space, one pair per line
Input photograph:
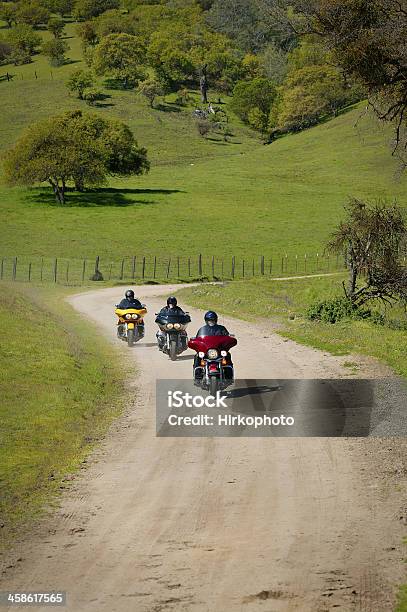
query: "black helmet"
172, 301
129, 294
211, 316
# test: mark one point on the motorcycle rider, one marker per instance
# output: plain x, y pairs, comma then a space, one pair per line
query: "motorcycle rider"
171, 308
129, 301
211, 328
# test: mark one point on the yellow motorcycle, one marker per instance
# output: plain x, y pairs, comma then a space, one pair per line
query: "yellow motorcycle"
130, 326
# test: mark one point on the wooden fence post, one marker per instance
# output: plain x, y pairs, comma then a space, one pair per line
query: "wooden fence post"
133, 269
233, 266
14, 268
253, 268
200, 265
122, 270
55, 270
83, 270
42, 268
243, 268
271, 266
296, 263
110, 270
67, 271
305, 262
189, 266
29, 272
262, 265
168, 267
155, 266
213, 266
144, 267
2, 269
178, 274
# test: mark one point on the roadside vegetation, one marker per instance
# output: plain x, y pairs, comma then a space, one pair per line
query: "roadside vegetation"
60, 389
286, 303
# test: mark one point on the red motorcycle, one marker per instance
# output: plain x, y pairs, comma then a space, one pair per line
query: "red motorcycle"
213, 367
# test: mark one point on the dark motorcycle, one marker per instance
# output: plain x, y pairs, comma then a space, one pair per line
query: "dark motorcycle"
213, 368
172, 338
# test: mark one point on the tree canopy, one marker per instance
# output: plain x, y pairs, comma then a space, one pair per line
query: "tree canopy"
121, 57
74, 147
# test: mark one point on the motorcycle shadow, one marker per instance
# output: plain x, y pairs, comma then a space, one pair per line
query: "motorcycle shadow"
146, 344
244, 392
185, 357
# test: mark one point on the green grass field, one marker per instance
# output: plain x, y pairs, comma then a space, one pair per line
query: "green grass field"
287, 301
59, 385
202, 195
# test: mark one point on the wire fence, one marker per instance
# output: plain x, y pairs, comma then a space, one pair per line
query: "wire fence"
151, 268
9, 77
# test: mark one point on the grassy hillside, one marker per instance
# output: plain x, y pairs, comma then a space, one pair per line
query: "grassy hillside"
57, 388
202, 195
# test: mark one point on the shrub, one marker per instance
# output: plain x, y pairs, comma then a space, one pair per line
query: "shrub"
92, 95
332, 311
203, 126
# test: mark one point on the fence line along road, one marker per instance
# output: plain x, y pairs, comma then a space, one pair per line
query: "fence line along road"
143, 268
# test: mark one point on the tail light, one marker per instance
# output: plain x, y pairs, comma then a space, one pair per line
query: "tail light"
213, 367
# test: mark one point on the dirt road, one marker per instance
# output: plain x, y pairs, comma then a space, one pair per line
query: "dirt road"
220, 524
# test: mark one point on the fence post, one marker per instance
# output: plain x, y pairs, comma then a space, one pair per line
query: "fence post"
233, 266
122, 270
243, 268
305, 263
262, 265
253, 268
189, 266
110, 270
29, 272
55, 269
83, 270
14, 268
296, 263
2, 269
282, 264
155, 266
178, 275
144, 267
271, 266
317, 262
67, 271
168, 267
133, 269
222, 268
200, 265
42, 267
97, 264
213, 266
